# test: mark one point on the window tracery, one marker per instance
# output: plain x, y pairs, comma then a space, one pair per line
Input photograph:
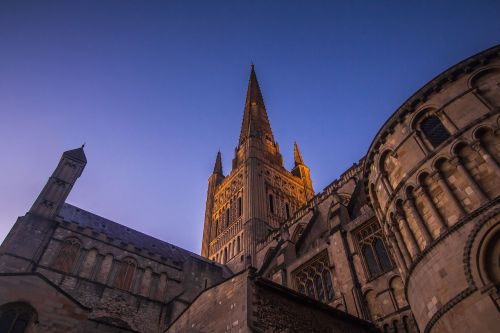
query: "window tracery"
434, 130
65, 261
314, 279
373, 249
125, 274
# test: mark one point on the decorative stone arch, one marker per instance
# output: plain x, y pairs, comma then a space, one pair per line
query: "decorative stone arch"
125, 273
481, 130
422, 175
487, 92
370, 297
439, 161
396, 285
421, 113
458, 145
481, 255
67, 254
20, 315
409, 191
385, 175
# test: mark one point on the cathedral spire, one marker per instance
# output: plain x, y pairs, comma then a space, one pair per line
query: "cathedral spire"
255, 120
218, 164
296, 155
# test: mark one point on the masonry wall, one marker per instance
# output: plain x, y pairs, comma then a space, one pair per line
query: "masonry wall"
430, 193
222, 308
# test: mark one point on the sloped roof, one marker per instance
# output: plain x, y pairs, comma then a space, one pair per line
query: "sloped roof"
128, 235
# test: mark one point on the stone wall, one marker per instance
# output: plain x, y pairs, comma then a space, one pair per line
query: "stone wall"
432, 174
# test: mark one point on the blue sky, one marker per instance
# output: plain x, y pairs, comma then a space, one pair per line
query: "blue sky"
155, 88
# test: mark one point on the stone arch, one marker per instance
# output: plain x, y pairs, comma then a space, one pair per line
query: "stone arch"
68, 254
17, 317
397, 289
373, 305
125, 273
389, 167
482, 253
487, 83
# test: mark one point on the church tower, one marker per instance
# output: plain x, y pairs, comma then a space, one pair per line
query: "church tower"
258, 195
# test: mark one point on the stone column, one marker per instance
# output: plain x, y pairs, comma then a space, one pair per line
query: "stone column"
397, 252
401, 244
418, 138
411, 237
490, 161
434, 210
452, 199
468, 177
420, 222
447, 122
384, 178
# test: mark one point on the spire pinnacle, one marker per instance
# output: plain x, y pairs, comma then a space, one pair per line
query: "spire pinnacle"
218, 164
297, 155
255, 120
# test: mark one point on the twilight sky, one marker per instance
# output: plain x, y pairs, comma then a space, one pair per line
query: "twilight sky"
155, 88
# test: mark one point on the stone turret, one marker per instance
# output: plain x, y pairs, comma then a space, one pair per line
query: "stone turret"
59, 185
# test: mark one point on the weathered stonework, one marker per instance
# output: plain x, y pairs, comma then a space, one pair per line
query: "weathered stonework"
406, 240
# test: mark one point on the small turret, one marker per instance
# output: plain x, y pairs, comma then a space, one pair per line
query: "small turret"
59, 185
302, 171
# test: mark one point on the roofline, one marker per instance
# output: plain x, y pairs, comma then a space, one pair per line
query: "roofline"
451, 74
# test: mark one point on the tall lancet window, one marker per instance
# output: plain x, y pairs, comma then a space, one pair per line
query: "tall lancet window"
125, 274
371, 245
65, 260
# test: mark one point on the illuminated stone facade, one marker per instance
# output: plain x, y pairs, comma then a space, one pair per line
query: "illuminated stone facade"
405, 240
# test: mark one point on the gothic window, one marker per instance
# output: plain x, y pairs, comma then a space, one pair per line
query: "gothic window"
373, 250
216, 227
240, 206
238, 244
434, 130
287, 210
227, 216
314, 280
271, 203
15, 317
125, 274
67, 256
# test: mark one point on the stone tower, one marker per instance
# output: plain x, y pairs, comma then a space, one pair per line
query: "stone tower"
59, 185
257, 196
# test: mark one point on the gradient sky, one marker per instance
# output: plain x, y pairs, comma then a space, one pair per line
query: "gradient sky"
155, 88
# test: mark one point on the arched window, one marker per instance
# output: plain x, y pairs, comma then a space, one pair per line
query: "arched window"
240, 206
271, 203
16, 317
65, 261
314, 280
287, 210
373, 249
434, 130
125, 274
238, 244
371, 262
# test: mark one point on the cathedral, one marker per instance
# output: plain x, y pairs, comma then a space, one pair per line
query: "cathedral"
406, 240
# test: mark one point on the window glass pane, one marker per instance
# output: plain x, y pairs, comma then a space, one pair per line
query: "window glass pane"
6, 320
330, 293
434, 131
310, 288
319, 288
20, 325
371, 263
382, 255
